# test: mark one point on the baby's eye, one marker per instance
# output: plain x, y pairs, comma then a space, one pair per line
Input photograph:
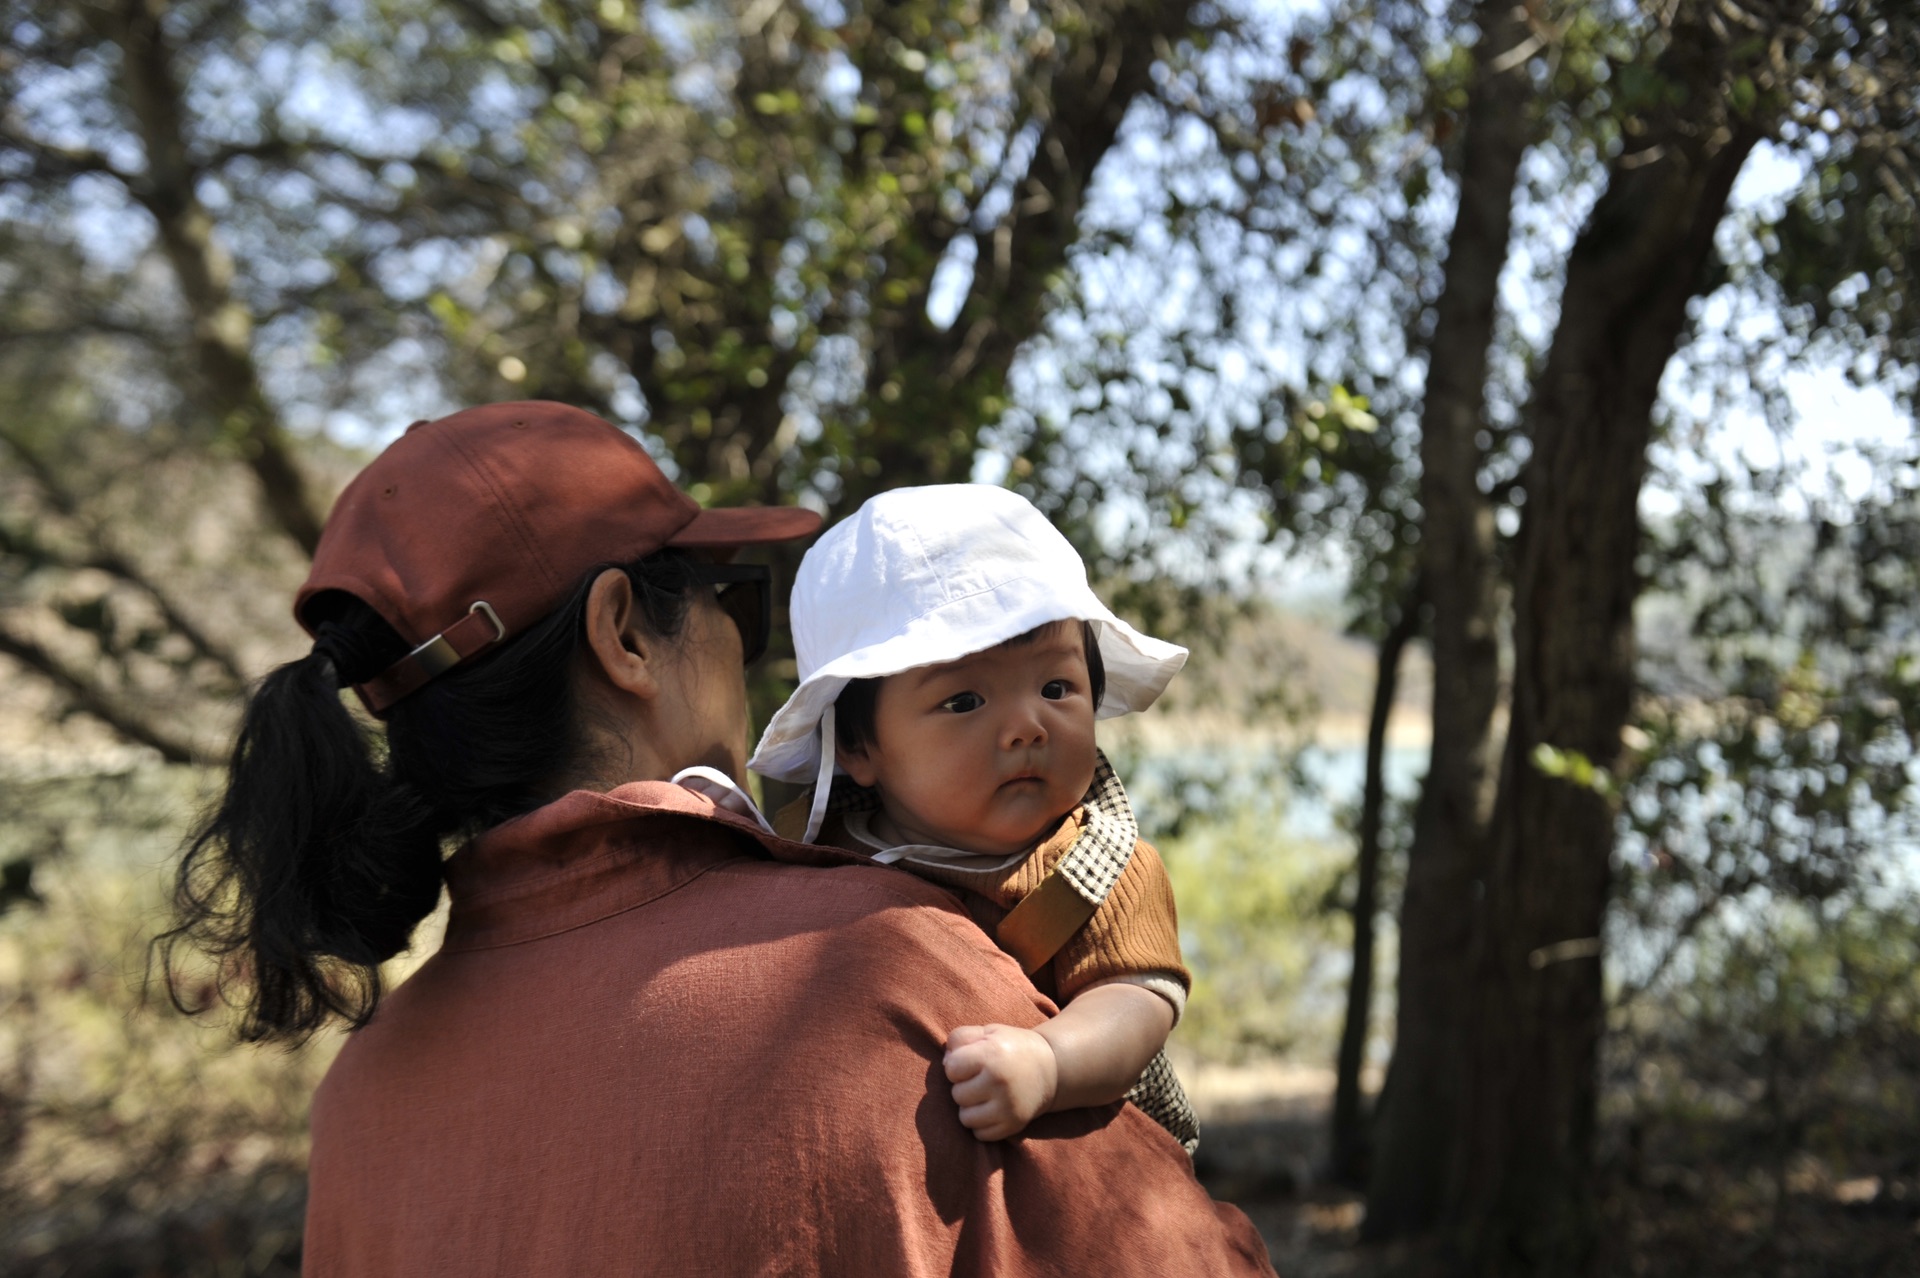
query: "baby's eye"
963, 702
1055, 689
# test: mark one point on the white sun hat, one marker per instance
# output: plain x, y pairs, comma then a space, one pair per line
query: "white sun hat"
919, 576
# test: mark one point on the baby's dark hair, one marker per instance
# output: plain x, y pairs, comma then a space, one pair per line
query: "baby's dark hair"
853, 711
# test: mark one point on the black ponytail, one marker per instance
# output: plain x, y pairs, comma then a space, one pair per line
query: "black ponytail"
324, 852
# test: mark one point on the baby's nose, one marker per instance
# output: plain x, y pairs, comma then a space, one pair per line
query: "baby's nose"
1023, 727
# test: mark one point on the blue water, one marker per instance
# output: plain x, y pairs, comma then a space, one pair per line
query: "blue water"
1335, 778
1308, 791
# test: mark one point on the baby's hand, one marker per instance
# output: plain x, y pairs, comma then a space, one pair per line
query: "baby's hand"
1002, 1077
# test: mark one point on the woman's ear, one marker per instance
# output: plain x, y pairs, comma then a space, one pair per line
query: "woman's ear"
857, 763
623, 651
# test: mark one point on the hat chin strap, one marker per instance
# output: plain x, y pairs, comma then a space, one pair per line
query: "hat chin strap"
723, 790
822, 778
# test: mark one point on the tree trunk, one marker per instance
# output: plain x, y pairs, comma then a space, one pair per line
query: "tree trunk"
929, 390
222, 328
1418, 1130
1525, 1197
1349, 1136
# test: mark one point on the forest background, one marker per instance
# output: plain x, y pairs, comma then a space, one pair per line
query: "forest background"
1576, 343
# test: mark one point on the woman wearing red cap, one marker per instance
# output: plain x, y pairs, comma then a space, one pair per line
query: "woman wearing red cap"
657, 1038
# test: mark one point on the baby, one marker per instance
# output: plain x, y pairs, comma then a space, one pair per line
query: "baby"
953, 660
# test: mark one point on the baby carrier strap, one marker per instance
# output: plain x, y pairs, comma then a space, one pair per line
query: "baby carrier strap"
1044, 920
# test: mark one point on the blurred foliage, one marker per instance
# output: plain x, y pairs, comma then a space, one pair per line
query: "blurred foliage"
1772, 756
1765, 938
132, 1140
1265, 951
113, 548
1762, 1114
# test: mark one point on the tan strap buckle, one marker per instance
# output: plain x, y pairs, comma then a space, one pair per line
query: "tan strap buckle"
466, 638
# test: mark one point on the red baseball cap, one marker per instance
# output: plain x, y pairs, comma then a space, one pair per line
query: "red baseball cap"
469, 529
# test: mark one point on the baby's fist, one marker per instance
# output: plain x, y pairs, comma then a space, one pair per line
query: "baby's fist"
1002, 1077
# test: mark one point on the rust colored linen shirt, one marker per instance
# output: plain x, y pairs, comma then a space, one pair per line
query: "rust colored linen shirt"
656, 1041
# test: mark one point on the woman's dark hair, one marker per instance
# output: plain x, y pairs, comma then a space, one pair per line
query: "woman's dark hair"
853, 710
325, 851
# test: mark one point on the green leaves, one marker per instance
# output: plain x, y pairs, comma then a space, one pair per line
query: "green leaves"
1574, 768
1341, 411
785, 102
1742, 95
1641, 87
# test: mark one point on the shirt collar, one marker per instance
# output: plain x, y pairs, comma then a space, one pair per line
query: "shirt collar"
589, 855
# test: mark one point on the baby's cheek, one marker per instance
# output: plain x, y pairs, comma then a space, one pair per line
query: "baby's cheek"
1086, 757
934, 795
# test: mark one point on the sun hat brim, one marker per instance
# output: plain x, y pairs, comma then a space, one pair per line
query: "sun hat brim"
1138, 666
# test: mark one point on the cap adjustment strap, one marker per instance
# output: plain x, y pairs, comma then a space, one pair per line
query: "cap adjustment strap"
466, 638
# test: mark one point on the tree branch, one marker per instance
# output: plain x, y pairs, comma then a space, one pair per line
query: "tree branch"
95, 700
942, 379
51, 161
96, 326
110, 561
222, 328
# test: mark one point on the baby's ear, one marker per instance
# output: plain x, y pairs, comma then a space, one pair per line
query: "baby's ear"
857, 763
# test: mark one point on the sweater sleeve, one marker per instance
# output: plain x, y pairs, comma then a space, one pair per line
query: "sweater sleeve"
1135, 932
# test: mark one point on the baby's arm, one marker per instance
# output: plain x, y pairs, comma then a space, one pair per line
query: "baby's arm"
1090, 1054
